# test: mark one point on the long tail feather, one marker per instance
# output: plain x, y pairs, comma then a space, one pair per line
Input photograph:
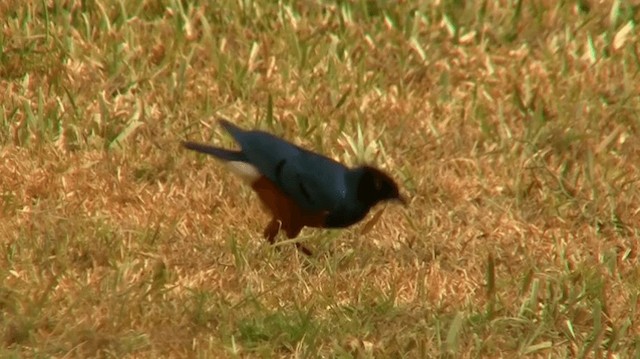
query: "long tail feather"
220, 153
233, 130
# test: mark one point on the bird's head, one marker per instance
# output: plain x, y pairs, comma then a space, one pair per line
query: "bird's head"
376, 186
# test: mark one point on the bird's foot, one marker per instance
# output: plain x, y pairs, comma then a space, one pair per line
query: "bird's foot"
306, 251
272, 230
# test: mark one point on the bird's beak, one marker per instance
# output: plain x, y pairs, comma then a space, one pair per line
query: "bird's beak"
402, 200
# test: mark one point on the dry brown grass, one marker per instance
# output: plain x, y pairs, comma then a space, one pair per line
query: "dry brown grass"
513, 129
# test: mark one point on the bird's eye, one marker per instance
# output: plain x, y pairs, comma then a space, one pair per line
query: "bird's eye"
377, 184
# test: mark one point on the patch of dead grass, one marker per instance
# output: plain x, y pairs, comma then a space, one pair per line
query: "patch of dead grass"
514, 136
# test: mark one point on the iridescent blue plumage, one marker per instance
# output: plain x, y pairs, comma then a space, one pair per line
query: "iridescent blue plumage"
315, 183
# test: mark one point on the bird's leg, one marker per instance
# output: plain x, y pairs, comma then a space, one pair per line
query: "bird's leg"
292, 232
272, 230
306, 251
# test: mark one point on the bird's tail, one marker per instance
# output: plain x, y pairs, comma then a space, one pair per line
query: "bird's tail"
220, 153
233, 130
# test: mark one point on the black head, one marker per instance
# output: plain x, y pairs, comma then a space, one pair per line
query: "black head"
376, 186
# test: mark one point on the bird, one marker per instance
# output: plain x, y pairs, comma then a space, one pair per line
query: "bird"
300, 187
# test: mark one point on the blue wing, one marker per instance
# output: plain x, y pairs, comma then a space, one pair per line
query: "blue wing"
315, 182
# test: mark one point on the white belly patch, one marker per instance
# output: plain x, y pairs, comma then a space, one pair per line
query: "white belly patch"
246, 171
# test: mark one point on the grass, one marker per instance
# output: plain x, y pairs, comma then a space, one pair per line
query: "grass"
512, 126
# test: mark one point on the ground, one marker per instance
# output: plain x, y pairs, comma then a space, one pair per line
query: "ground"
511, 126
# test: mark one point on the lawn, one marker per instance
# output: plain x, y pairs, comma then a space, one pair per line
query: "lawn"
511, 126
